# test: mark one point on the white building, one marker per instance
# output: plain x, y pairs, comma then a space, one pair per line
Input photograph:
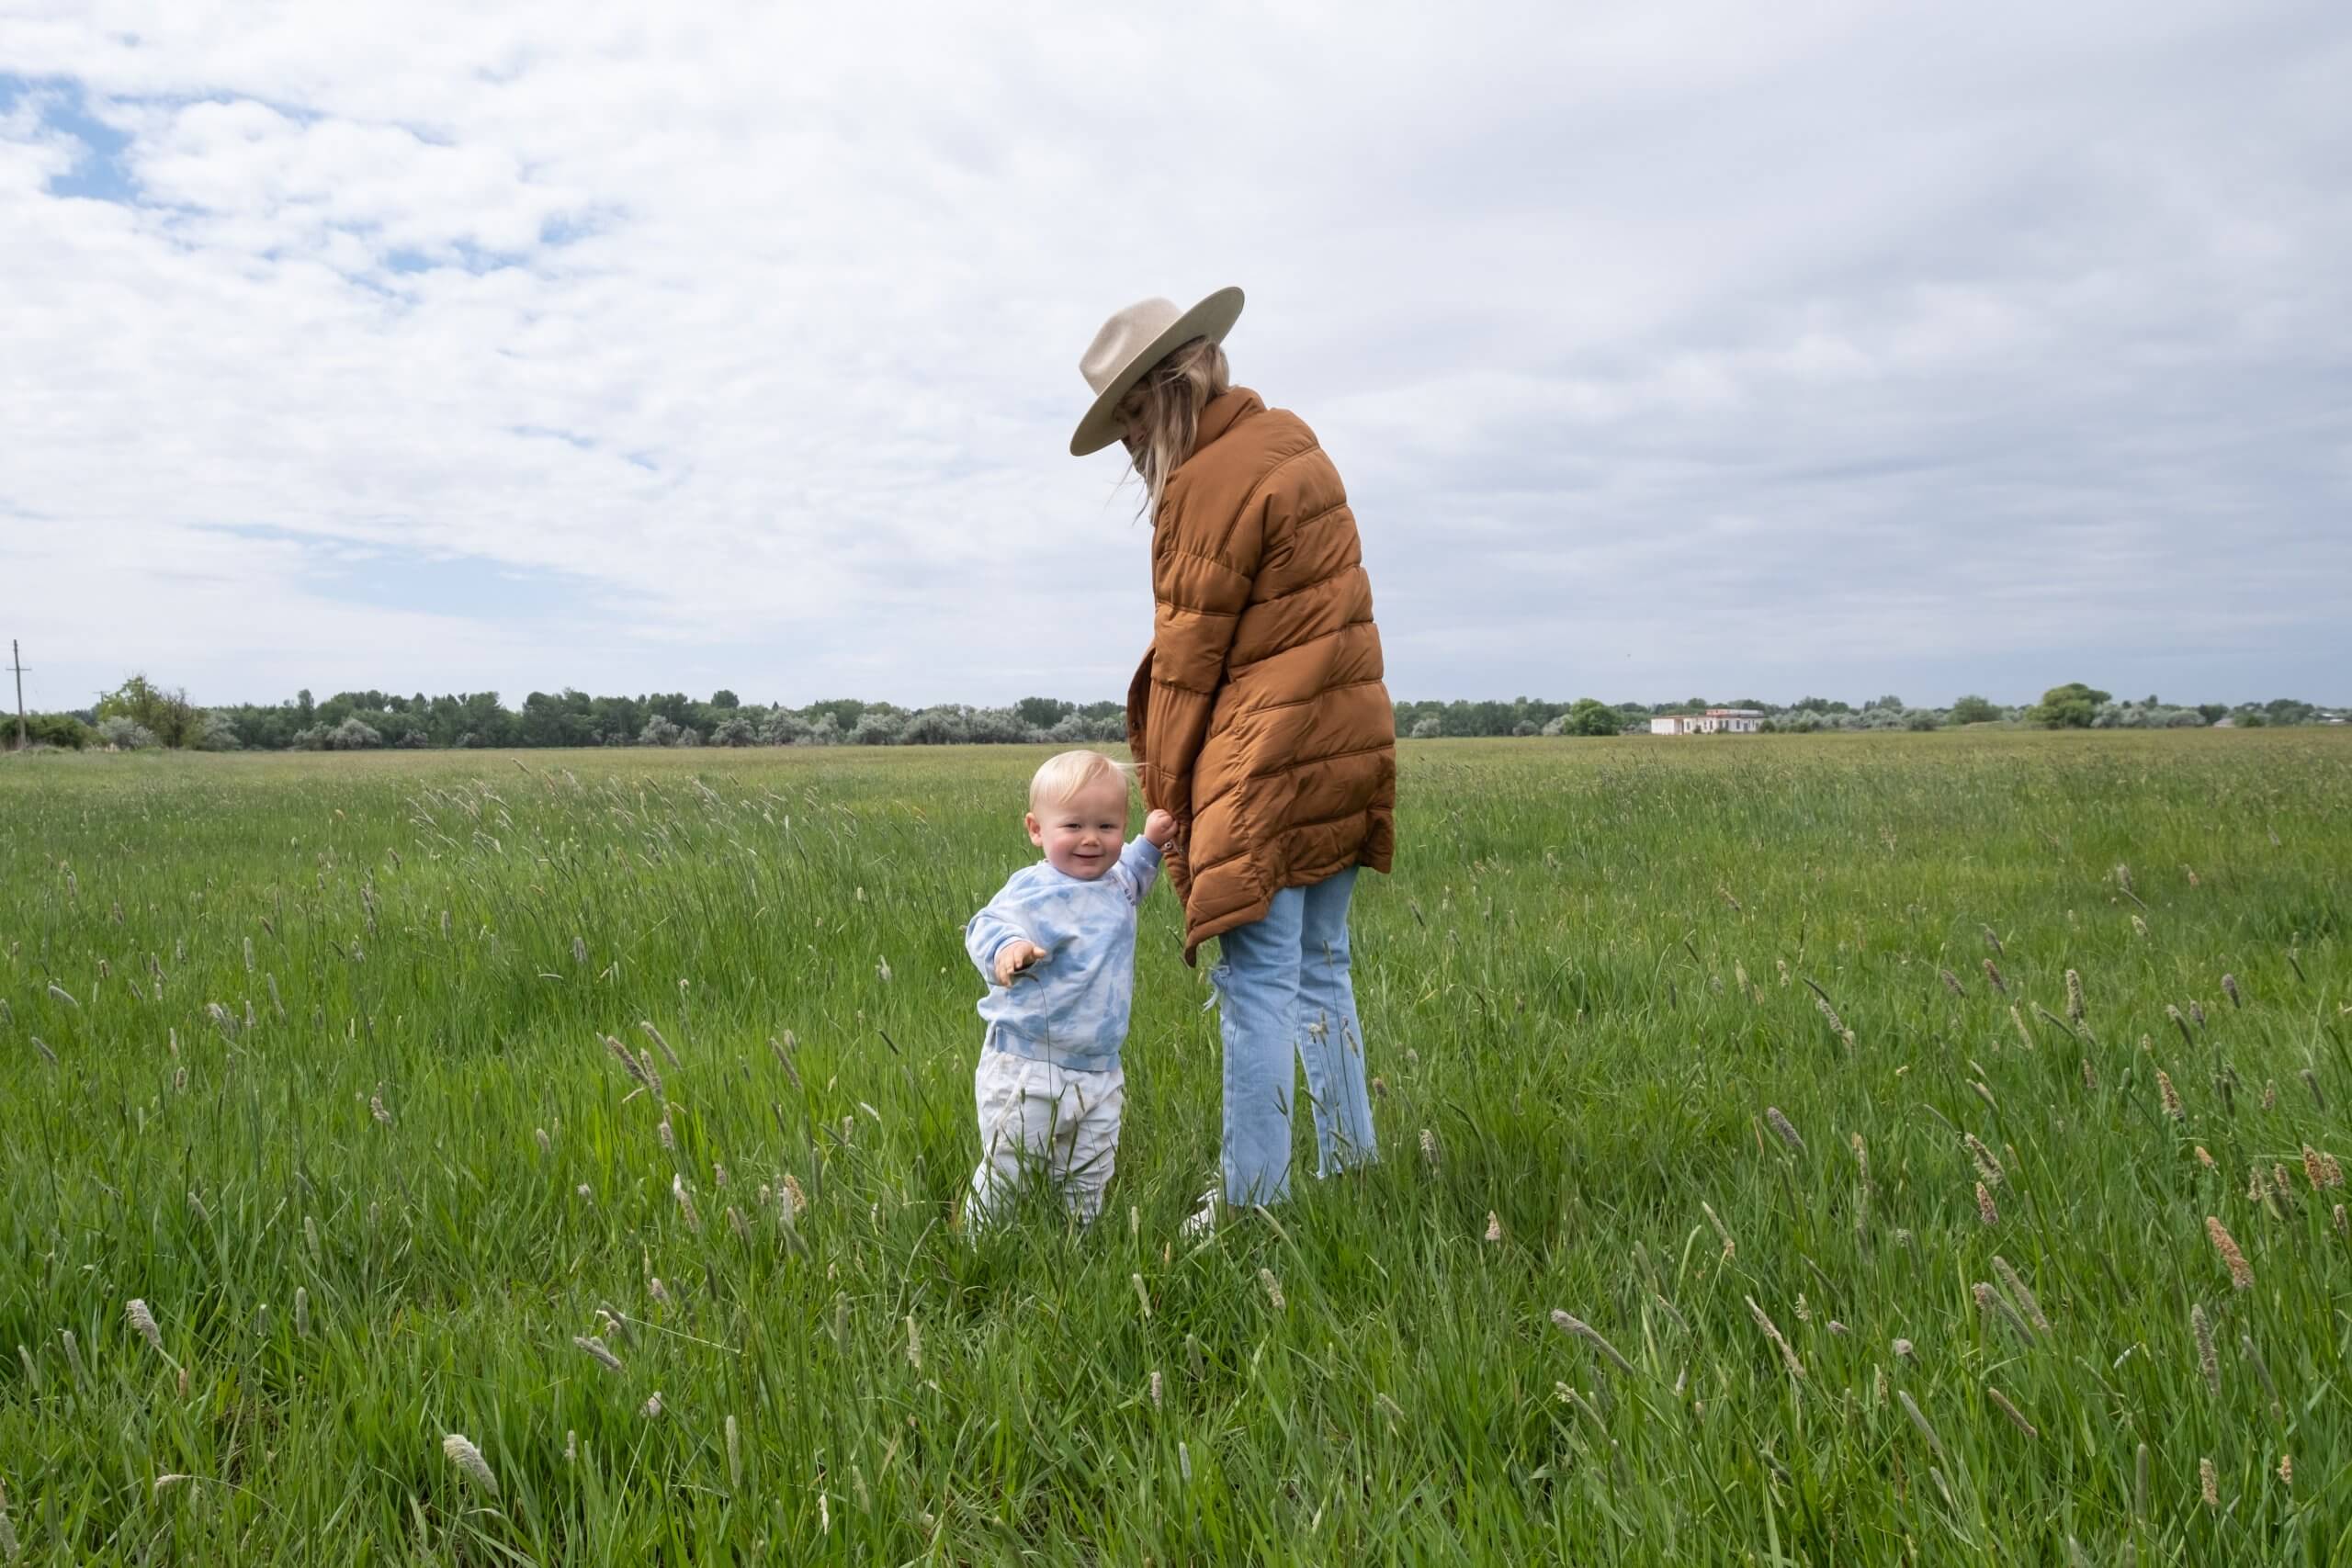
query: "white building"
1714, 721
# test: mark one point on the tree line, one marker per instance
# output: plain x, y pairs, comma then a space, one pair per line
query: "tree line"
141, 713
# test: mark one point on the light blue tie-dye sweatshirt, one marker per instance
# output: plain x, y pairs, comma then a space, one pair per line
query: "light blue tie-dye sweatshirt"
1070, 1007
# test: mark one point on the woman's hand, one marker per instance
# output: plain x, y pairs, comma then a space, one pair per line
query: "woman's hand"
1015, 956
1157, 828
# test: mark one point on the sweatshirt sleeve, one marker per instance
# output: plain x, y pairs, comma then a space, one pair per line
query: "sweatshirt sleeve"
1137, 869
986, 933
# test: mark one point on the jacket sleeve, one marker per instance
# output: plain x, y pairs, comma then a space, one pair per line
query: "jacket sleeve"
1200, 585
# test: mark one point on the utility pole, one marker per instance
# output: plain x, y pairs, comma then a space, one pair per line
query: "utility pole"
17, 662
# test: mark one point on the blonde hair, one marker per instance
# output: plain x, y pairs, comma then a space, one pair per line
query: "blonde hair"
1061, 778
1163, 412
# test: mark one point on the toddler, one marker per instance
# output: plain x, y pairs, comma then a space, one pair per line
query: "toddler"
1057, 948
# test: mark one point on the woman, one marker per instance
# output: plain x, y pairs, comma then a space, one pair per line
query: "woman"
1259, 721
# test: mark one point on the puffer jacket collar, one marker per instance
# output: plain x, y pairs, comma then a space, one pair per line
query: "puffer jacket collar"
1223, 412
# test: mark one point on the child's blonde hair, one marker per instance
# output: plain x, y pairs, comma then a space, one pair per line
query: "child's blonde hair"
1062, 777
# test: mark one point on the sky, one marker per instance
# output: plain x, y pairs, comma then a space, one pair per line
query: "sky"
1688, 349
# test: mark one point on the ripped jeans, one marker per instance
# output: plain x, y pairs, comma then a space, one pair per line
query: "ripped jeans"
1283, 989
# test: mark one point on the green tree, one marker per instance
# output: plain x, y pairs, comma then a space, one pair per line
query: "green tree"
168, 716
1042, 712
1973, 710
1591, 715
2070, 706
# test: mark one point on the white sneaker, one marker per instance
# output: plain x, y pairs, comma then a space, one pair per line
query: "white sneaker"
1204, 1222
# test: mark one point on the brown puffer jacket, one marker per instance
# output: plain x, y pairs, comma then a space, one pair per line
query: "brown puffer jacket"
1259, 718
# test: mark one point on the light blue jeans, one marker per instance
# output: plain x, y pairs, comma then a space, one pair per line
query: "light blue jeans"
1283, 989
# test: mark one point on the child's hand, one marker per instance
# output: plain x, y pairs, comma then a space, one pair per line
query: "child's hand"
1015, 956
1157, 828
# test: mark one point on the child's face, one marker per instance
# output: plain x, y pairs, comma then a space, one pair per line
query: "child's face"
1082, 836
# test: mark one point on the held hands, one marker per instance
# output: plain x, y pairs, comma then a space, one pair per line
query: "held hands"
1157, 828
1015, 956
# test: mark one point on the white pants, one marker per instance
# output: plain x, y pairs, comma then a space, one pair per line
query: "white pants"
1035, 1116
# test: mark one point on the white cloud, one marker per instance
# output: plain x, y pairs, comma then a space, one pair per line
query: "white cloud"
1663, 350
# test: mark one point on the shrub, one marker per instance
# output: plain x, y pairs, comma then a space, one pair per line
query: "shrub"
734, 731
659, 731
59, 730
946, 725
2071, 706
125, 734
877, 727
355, 734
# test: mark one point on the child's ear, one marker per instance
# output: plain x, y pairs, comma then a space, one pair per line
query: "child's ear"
1037, 833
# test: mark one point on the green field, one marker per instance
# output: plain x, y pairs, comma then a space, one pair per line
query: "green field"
307, 1054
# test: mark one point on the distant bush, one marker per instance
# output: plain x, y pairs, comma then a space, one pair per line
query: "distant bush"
125, 734
354, 735
61, 730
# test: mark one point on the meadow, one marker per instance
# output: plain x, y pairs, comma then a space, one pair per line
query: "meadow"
1797, 1150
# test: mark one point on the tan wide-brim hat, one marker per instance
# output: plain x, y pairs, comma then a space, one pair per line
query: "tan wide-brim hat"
1134, 341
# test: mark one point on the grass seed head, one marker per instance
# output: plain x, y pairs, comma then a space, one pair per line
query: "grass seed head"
2209, 1363
2286, 1470
1577, 1328
2205, 1158
1919, 1420
1708, 1209
2241, 1273
685, 1201
2230, 989
1273, 1287
142, 1321
302, 1311
1989, 1168
2169, 1096
462, 1454
1429, 1147
2017, 1417
1993, 977
1494, 1226
1985, 1212
1785, 1127
734, 1455
2074, 1010
2020, 1293
1779, 1341
652, 1409
599, 1353
2208, 1482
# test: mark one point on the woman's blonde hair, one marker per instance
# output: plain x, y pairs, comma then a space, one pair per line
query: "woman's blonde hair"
1163, 413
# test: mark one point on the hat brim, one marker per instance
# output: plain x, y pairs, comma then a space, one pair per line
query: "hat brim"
1211, 318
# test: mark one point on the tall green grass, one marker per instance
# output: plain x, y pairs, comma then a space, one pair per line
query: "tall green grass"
308, 1056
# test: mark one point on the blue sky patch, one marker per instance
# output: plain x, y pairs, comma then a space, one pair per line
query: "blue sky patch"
100, 171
